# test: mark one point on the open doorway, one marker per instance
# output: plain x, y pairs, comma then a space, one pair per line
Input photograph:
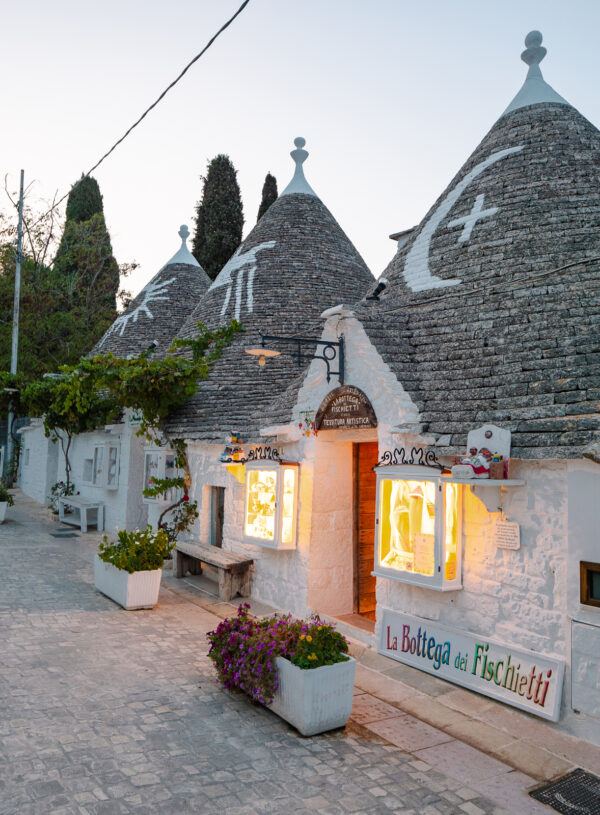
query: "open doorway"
365, 484
217, 515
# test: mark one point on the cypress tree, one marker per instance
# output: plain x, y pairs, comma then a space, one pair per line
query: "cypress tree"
219, 217
84, 200
269, 195
85, 271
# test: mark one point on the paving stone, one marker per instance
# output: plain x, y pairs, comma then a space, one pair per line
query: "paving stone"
409, 733
462, 762
108, 712
367, 708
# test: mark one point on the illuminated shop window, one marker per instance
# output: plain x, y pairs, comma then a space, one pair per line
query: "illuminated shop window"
271, 504
418, 527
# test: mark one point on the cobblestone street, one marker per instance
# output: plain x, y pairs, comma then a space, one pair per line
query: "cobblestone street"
106, 711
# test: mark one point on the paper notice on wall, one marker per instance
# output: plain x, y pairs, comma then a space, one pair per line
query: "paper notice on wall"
424, 554
507, 535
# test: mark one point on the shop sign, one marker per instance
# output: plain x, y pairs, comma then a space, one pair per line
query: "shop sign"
345, 407
517, 677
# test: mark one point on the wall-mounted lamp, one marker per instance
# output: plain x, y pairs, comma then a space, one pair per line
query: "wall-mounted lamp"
330, 351
380, 287
262, 354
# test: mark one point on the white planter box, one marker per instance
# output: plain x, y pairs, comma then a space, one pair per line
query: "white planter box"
136, 590
317, 699
3, 505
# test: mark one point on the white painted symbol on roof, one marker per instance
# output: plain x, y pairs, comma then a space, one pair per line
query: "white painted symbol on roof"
468, 221
237, 263
416, 266
153, 292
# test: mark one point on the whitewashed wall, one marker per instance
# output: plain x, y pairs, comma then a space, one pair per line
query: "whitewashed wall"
123, 507
364, 369
37, 476
331, 571
584, 545
279, 578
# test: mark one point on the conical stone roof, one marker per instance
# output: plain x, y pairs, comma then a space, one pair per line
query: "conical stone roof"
295, 263
160, 309
497, 291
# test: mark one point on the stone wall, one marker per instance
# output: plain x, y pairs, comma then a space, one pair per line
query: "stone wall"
584, 545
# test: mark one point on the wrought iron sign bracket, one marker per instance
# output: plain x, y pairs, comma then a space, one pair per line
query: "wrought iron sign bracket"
263, 454
330, 352
398, 456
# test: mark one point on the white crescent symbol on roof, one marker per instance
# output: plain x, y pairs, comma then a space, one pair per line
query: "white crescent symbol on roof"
417, 273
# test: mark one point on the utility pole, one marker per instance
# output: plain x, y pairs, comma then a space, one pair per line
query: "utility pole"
15, 329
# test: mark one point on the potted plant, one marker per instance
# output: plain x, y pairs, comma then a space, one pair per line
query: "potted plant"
129, 570
299, 669
6, 500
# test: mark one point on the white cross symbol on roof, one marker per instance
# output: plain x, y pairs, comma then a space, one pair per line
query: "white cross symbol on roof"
469, 221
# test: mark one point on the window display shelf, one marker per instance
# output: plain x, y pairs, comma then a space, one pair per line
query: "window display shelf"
484, 482
487, 490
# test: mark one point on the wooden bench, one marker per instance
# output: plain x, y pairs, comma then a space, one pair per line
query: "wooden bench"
234, 570
81, 517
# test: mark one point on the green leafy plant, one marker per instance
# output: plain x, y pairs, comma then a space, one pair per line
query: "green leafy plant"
142, 550
244, 649
60, 490
5, 495
82, 397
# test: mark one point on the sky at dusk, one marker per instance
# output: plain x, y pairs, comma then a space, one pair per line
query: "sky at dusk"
391, 97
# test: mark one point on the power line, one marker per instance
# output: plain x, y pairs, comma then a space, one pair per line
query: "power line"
147, 111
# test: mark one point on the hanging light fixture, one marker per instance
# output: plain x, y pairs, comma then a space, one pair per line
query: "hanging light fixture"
262, 354
331, 350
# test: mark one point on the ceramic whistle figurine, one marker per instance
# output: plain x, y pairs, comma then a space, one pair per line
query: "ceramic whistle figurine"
475, 465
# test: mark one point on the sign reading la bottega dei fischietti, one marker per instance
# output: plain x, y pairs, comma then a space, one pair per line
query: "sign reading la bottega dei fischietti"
517, 677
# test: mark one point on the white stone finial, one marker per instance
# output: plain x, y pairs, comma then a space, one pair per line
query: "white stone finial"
534, 52
183, 255
299, 184
535, 90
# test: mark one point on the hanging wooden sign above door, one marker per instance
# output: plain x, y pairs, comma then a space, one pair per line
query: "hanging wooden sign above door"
345, 407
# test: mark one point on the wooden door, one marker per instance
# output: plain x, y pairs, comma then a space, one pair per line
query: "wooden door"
366, 456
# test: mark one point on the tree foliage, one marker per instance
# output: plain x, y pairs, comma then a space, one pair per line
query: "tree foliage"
85, 200
269, 195
219, 217
85, 270
64, 308
92, 393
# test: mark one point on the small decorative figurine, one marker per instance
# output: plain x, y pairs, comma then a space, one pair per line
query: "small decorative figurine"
307, 425
475, 465
480, 461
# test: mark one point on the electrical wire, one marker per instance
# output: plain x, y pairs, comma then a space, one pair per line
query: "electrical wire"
147, 111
